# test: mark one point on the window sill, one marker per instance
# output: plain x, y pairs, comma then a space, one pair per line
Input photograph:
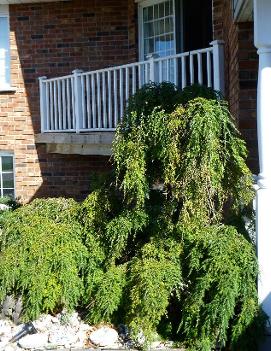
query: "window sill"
7, 89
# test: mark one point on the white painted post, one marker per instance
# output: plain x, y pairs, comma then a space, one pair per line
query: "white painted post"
262, 39
152, 73
78, 100
153, 68
218, 65
43, 106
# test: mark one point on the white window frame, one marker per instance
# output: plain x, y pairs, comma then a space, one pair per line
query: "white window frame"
141, 5
6, 84
8, 154
242, 10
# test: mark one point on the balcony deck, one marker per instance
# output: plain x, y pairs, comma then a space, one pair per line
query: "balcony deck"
94, 102
95, 143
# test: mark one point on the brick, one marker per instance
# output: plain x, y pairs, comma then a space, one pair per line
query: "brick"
52, 39
241, 69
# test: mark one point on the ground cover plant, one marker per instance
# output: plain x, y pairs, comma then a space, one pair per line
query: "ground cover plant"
160, 243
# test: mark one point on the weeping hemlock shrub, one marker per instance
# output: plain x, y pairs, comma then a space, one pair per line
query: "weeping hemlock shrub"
222, 300
42, 256
150, 246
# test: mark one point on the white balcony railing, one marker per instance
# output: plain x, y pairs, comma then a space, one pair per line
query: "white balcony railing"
95, 101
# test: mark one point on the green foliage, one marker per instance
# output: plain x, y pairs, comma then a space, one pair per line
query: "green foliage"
154, 275
184, 169
163, 96
196, 153
194, 91
42, 256
221, 302
147, 154
151, 245
213, 165
107, 294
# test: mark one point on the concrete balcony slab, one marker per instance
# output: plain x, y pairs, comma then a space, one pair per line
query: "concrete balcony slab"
96, 143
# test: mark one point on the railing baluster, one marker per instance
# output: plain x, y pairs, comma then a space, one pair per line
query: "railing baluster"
200, 75
151, 70
121, 92
150, 74
175, 62
192, 75
73, 104
64, 106
69, 103
93, 95
99, 106
104, 101
134, 79
160, 71
209, 70
127, 76
115, 99
47, 106
51, 107
184, 83
55, 107
60, 116
139, 76
110, 117
168, 70
88, 102
83, 95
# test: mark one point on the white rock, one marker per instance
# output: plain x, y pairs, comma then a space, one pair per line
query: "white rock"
78, 345
16, 329
4, 207
54, 320
73, 320
3, 345
169, 344
5, 328
85, 327
82, 339
34, 341
140, 338
8, 348
116, 346
43, 323
62, 336
104, 336
157, 345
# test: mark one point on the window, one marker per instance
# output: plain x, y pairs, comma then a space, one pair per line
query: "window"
242, 10
4, 48
157, 28
7, 187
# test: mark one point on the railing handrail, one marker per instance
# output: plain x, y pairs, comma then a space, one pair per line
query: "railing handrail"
96, 100
137, 63
58, 78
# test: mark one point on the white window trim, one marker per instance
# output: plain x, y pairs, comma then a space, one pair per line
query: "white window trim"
9, 154
6, 86
242, 10
141, 5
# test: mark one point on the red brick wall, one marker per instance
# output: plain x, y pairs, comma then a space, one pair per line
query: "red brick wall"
226, 30
52, 39
241, 66
248, 72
